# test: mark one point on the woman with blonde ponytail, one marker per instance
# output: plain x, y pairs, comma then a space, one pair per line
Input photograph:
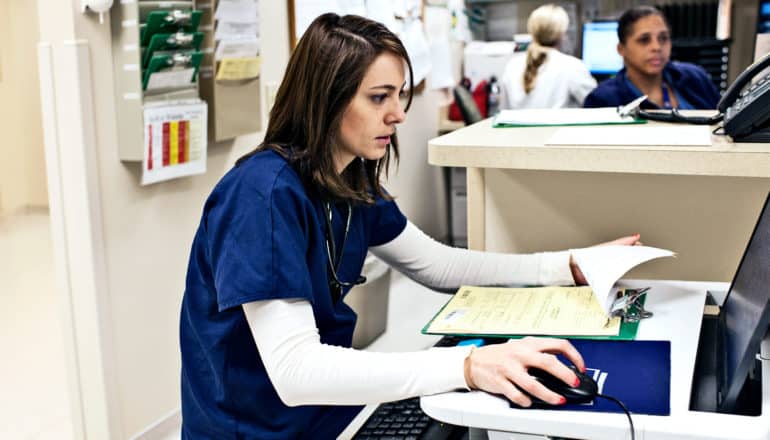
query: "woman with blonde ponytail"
545, 77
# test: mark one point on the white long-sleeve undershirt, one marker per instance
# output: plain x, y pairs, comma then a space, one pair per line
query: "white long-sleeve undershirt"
304, 371
446, 268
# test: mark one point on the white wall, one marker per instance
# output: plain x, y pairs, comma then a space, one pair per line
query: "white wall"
141, 235
22, 168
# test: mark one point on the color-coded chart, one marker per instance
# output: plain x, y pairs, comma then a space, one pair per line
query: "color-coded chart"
170, 143
175, 141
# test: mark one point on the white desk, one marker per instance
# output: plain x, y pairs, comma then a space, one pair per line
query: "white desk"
526, 196
677, 308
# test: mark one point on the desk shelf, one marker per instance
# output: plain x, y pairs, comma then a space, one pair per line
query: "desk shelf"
481, 146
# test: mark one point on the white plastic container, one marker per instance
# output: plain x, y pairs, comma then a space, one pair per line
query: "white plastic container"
370, 302
484, 59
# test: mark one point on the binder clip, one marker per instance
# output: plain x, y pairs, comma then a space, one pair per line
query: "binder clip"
629, 305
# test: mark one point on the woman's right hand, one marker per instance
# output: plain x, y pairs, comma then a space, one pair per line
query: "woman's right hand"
503, 368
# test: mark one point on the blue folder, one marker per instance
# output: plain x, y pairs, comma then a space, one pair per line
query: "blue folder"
638, 373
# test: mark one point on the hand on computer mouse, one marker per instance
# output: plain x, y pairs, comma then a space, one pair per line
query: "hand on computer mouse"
583, 392
503, 368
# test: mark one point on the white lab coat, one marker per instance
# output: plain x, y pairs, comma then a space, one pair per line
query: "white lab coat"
562, 81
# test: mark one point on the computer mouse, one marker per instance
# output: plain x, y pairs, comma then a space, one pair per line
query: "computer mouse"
583, 393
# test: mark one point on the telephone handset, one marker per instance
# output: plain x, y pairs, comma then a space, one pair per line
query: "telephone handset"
746, 110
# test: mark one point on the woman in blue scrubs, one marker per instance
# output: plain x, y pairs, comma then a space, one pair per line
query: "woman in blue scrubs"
265, 334
645, 45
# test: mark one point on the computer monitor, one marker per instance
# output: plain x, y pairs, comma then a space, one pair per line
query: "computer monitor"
763, 18
600, 53
746, 311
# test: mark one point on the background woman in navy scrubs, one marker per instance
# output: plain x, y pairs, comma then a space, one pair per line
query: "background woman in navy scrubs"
264, 332
645, 45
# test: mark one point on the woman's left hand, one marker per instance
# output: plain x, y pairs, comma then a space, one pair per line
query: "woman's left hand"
577, 274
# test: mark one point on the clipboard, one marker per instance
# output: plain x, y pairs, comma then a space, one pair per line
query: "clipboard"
174, 70
165, 21
562, 117
627, 330
171, 41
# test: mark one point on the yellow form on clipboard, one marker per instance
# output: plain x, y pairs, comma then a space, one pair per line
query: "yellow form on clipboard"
556, 311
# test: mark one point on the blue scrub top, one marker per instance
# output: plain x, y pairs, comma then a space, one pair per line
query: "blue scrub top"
261, 236
692, 84
683, 104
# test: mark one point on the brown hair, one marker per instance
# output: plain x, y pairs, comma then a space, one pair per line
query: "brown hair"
547, 25
321, 79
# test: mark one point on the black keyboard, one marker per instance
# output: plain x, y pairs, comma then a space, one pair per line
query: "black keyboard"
404, 420
448, 341
451, 341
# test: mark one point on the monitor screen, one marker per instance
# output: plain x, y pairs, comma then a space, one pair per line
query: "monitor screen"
746, 310
763, 18
600, 54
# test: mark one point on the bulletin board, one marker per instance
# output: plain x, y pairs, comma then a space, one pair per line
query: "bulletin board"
302, 12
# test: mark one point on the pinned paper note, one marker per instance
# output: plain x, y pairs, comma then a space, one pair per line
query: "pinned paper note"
604, 265
417, 47
237, 49
239, 68
238, 11
174, 141
227, 30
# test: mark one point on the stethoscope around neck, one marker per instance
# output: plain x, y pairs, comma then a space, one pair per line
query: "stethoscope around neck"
333, 259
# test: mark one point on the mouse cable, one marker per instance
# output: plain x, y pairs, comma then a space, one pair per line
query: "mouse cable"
628, 413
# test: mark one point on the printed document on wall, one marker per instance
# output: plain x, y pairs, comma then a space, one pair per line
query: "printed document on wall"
438, 23
416, 46
174, 141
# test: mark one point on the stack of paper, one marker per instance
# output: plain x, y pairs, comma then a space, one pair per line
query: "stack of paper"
237, 35
604, 265
572, 311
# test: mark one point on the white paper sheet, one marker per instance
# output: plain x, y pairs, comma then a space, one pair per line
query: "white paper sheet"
247, 48
229, 30
171, 79
567, 116
305, 11
356, 7
416, 46
171, 151
383, 12
406, 8
243, 11
460, 29
438, 24
603, 266
634, 135
441, 75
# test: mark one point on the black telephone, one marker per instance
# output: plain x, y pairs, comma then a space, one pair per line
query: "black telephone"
746, 110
